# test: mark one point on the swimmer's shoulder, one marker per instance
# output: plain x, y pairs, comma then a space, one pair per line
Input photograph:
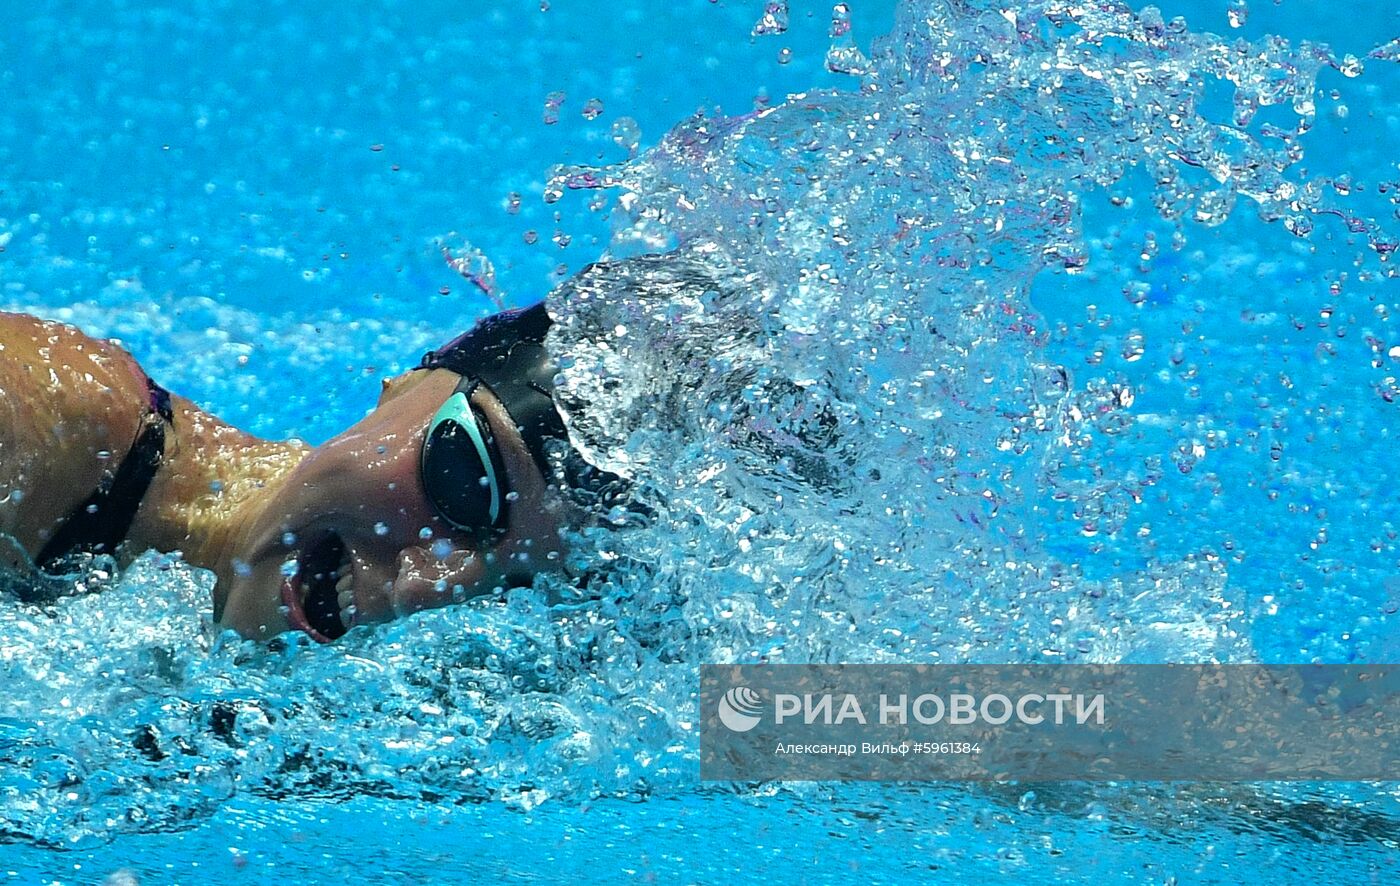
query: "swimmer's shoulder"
70, 408
64, 362
24, 337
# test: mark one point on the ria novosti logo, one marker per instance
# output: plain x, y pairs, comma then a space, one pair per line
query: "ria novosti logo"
740, 709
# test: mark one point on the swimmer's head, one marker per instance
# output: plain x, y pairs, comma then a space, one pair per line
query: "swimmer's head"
442, 493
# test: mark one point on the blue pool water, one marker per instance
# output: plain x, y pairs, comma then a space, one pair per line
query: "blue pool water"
1119, 346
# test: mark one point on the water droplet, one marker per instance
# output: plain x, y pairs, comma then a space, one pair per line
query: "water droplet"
425, 533
290, 568
513, 203
552, 103
626, 133
1133, 347
474, 265
289, 539
442, 549
840, 20
381, 529
1238, 13
774, 20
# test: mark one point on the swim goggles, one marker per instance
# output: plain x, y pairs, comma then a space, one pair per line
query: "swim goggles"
461, 468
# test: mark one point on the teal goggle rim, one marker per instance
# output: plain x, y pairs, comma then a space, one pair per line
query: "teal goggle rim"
458, 409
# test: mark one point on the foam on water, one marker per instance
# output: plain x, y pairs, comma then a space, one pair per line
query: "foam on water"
856, 437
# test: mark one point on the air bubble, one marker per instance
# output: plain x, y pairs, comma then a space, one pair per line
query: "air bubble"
381, 529
592, 109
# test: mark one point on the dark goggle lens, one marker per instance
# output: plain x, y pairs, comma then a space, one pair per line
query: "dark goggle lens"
461, 471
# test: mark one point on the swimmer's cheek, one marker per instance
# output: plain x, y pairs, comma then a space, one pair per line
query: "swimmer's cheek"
252, 604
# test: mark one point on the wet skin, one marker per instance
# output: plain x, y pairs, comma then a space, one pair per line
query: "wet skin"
48, 463
356, 505
245, 507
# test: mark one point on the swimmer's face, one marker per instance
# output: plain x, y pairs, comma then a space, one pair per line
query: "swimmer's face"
352, 538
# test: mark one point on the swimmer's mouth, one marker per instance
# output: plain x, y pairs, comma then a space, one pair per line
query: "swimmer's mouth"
313, 593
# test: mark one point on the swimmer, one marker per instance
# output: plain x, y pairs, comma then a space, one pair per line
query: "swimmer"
449, 489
